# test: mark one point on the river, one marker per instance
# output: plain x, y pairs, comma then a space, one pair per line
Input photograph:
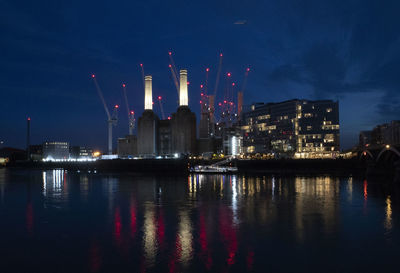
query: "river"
59, 221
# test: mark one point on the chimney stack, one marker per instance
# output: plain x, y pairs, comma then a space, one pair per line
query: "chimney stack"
148, 93
183, 88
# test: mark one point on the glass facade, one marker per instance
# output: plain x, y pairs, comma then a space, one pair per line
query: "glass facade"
294, 128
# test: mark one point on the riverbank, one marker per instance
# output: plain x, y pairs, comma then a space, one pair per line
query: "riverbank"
183, 165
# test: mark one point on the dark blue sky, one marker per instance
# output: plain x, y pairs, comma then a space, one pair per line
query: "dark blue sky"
342, 50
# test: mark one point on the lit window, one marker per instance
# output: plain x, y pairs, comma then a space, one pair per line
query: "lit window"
328, 110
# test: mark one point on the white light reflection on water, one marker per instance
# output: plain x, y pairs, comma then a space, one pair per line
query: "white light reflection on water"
184, 244
234, 200
388, 212
149, 237
53, 183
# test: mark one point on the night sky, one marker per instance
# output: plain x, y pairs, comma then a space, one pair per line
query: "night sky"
313, 49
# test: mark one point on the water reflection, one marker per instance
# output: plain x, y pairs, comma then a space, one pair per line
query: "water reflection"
54, 183
388, 219
149, 237
218, 223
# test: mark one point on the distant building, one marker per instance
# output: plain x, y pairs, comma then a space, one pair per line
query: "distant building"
127, 146
80, 152
232, 141
382, 134
55, 150
294, 128
36, 152
365, 138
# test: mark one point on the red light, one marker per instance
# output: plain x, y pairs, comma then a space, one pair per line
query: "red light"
224, 101
169, 66
188, 83
116, 106
170, 53
123, 85
220, 104
201, 86
233, 84
152, 102
132, 112
159, 97
201, 102
231, 103
248, 69
220, 55
169, 118
93, 76
29, 118
202, 94
207, 69
229, 74
141, 65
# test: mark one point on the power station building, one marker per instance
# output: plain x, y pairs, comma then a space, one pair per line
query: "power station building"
171, 136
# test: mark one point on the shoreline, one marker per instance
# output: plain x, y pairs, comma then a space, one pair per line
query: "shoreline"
281, 166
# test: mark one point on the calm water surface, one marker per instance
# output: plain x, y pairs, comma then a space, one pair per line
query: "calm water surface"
58, 221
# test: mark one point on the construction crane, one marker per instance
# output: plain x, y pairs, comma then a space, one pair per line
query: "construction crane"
161, 107
111, 119
172, 63
142, 71
218, 75
174, 78
131, 114
240, 94
174, 72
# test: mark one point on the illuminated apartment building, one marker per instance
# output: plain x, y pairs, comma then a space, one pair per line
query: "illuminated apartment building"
294, 128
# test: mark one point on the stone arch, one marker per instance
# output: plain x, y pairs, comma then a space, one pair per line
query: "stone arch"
365, 153
392, 149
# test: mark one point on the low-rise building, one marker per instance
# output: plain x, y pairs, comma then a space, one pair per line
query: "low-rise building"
55, 150
81, 152
127, 146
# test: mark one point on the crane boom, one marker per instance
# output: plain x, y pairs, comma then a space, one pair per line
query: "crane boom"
131, 117
246, 74
161, 107
125, 98
206, 82
101, 96
142, 71
174, 78
218, 75
173, 64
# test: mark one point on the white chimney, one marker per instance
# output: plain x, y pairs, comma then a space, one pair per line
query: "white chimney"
148, 93
183, 88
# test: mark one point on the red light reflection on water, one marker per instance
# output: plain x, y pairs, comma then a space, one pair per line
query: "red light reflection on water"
132, 212
250, 260
175, 256
94, 257
365, 190
117, 226
204, 253
160, 228
228, 234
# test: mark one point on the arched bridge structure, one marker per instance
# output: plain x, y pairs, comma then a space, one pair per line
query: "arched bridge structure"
382, 155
